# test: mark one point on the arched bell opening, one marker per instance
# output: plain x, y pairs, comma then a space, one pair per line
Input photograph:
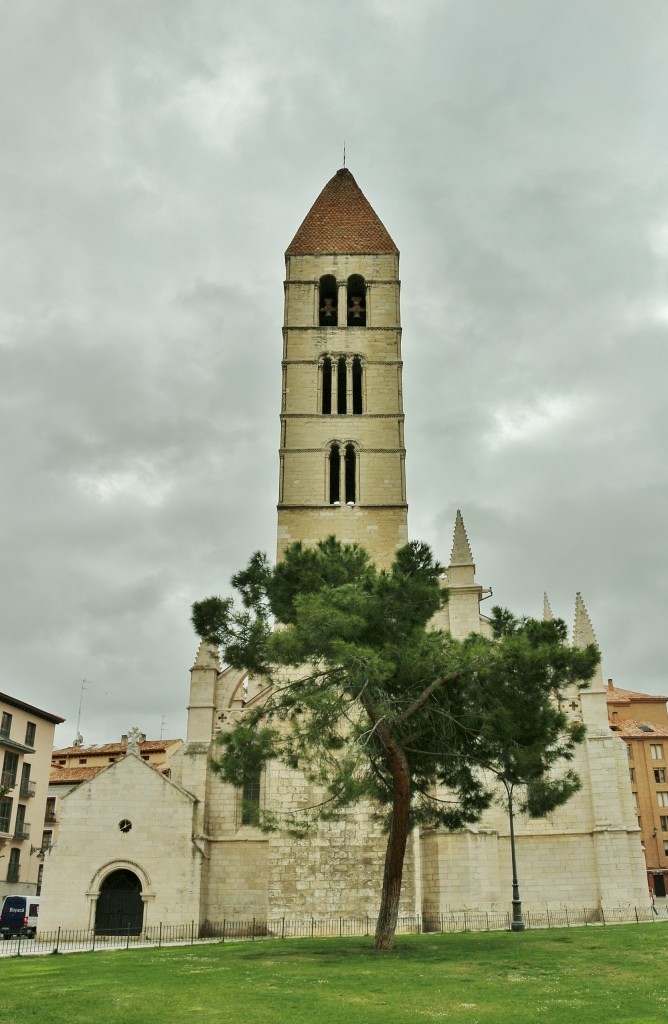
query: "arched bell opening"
334, 475
356, 301
327, 305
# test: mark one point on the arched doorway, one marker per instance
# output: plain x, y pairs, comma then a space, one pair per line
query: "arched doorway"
120, 909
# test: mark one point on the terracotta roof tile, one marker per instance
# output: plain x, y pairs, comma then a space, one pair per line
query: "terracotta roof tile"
640, 730
147, 747
341, 220
80, 773
615, 695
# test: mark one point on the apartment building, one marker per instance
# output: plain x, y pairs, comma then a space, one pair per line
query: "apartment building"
641, 720
26, 743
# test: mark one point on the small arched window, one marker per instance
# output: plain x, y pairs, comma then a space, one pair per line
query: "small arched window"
341, 385
327, 385
351, 474
334, 474
357, 386
356, 301
328, 301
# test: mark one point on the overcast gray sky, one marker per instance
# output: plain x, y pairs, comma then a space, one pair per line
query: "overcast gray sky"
157, 157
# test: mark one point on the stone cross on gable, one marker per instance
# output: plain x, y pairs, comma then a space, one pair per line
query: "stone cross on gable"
134, 739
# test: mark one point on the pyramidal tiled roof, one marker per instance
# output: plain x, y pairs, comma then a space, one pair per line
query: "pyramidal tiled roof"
341, 220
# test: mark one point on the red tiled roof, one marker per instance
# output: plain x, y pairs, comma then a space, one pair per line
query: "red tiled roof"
640, 730
615, 695
147, 747
341, 220
80, 773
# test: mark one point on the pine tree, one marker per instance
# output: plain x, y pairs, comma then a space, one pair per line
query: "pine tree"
369, 701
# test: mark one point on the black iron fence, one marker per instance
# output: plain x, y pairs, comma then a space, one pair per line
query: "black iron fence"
64, 940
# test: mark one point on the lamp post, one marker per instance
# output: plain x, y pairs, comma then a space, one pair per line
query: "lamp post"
517, 924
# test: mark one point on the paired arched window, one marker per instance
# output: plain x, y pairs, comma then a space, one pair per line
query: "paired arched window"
328, 314
342, 474
356, 301
341, 385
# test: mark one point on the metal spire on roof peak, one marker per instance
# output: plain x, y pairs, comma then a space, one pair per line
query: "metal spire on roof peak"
461, 549
583, 631
547, 611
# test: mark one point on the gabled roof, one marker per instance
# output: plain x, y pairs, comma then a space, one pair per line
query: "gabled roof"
615, 695
341, 220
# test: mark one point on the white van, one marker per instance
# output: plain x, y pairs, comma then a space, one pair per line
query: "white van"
19, 916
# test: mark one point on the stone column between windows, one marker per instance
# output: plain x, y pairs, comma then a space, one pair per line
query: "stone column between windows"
342, 308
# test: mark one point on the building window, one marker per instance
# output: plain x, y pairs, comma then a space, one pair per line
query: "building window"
10, 767
664, 822
629, 752
47, 839
14, 866
632, 774
341, 387
356, 301
328, 301
351, 474
83, 760
663, 799
334, 475
665, 847
250, 800
5, 814
656, 751
357, 386
31, 728
40, 875
50, 813
659, 774
21, 828
6, 726
327, 385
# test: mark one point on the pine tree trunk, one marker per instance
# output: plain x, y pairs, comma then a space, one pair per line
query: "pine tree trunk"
396, 850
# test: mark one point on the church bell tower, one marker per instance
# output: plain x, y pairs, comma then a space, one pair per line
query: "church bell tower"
342, 456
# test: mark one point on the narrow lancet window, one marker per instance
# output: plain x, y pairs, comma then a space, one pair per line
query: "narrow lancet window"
341, 388
327, 385
356, 301
250, 799
328, 301
357, 386
334, 474
350, 464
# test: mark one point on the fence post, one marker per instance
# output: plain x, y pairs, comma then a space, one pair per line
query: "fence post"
192, 933
603, 915
18, 948
311, 926
487, 916
367, 925
283, 927
465, 924
568, 923
93, 943
224, 926
127, 944
340, 927
636, 910
57, 940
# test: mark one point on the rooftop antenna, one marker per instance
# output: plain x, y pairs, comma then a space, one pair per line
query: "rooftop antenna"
344, 152
163, 722
78, 739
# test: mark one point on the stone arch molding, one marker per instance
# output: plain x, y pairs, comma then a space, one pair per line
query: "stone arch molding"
120, 865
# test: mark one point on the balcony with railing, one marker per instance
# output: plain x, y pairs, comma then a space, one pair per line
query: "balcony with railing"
27, 789
50, 816
4, 826
21, 830
7, 780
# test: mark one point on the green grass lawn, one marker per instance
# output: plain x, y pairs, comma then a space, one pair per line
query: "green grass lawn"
612, 974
